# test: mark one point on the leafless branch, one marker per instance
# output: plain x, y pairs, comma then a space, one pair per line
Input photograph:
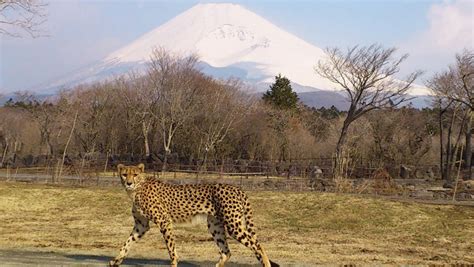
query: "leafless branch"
19, 17
366, 75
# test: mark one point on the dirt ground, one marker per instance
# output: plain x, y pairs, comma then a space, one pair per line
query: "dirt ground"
297, 229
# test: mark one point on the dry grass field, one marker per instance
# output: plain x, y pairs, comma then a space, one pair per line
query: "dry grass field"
296, 228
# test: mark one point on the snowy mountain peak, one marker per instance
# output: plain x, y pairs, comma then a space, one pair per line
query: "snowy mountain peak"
224, 35
230, 41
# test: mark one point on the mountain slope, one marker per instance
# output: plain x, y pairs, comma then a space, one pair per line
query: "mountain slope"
230, 41
224, 35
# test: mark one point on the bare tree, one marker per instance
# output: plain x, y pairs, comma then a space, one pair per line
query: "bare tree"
397, 136
457, 85
15, 131
96, 112
454, 90
136, 93
452, 118
44, 113
18, 17
175, 84
7, 137
366, 76
461, 79
222, 105
61, 164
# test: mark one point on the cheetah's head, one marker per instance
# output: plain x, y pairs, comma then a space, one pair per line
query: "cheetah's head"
130, 175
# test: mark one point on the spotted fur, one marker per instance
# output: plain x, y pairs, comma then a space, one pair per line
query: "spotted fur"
227, 209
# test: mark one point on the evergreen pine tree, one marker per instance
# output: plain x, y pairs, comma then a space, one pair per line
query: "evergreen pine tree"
9, 103
281, 94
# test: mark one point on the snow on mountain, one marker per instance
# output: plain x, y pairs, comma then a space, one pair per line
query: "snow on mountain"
229, 40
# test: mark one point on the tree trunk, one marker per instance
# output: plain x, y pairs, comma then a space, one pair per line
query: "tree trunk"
447, 175
145, 129
167, 145
66, 146
204, 162
106, 161
340, 147
165, 161
468, 150
167, 137
441, 150
50, 148
449, 153
4, 154
45, 140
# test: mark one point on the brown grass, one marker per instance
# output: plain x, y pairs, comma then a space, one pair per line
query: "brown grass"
295, 228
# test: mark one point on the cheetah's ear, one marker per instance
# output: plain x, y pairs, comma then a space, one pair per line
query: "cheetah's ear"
120, 167
141, 167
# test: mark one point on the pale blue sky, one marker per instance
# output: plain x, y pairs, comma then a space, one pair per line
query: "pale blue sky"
82, 32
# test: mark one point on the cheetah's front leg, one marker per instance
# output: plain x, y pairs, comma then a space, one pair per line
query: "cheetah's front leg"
140, 228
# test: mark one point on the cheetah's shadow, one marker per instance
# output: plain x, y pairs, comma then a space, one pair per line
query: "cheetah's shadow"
128, 261
149, 262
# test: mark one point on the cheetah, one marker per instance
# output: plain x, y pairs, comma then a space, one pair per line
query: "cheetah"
227, 209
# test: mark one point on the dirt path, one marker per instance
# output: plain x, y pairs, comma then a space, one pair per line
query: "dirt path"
30, 258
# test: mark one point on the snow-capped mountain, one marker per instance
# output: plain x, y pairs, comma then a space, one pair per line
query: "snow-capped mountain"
229, 40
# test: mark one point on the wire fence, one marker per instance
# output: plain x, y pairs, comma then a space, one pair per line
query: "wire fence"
294, 173
315, 174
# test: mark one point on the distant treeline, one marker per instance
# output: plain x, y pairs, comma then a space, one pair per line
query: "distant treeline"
175, 110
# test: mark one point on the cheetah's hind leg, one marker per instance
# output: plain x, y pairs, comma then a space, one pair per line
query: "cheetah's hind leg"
216, 229
236, 229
